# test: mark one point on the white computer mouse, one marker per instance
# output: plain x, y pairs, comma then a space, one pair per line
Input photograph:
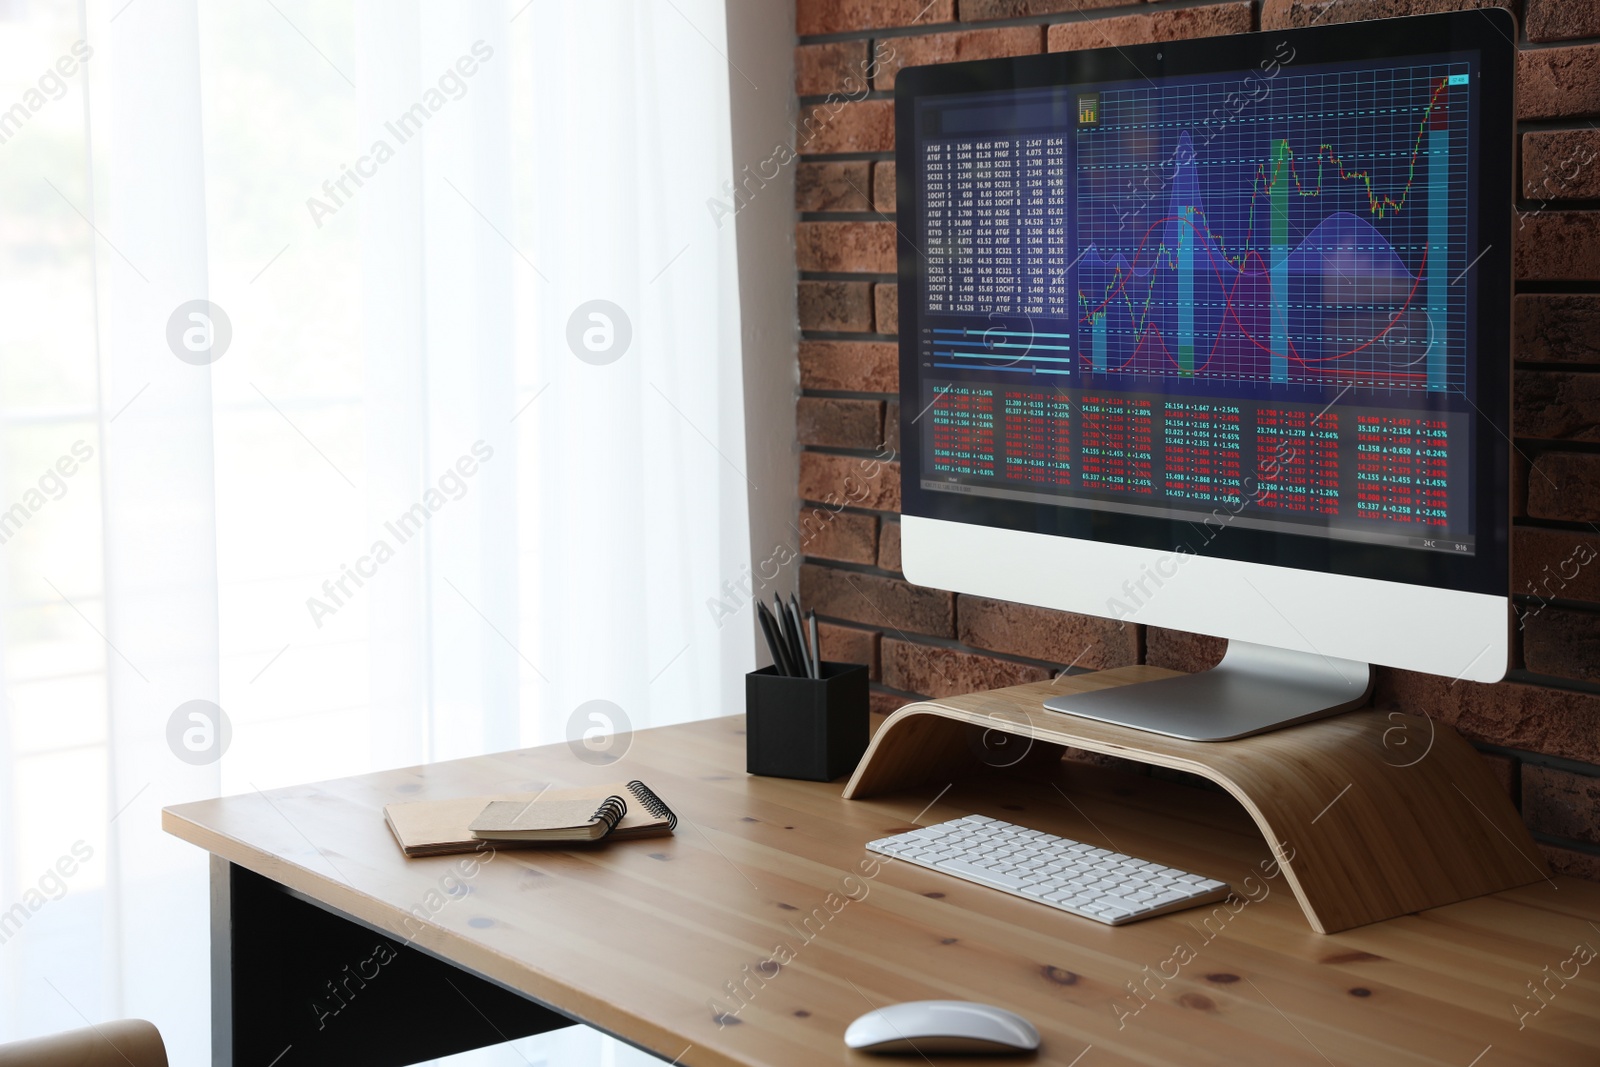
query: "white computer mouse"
942, 1026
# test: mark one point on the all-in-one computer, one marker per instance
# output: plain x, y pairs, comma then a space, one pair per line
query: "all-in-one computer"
1214, 335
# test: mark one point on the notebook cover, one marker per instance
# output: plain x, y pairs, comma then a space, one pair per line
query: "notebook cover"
543, 820
440, 827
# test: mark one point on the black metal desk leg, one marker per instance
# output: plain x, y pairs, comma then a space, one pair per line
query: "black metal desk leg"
295, 984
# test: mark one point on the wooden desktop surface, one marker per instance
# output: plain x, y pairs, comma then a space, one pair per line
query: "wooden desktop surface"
644, 939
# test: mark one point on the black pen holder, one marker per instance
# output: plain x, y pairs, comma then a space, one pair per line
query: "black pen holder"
810, 728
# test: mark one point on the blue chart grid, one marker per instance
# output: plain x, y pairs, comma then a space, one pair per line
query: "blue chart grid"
1309, 235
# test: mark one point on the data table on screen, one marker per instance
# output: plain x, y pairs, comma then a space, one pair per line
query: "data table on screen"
1220, 291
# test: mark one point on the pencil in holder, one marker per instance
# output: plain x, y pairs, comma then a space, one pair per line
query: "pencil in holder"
810, 728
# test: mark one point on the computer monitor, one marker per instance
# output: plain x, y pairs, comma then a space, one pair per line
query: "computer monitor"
1215, 335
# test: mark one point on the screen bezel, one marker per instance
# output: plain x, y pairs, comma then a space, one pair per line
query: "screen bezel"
1490, 33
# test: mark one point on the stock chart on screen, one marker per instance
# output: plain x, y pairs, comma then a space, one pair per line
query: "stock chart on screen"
1244, 295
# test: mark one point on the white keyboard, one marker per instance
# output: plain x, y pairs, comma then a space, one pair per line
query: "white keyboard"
1092, 882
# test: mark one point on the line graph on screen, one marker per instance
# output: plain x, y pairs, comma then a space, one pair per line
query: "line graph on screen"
1313, 243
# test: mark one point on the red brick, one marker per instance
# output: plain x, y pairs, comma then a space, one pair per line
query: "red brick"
1565, 486
1560, 803
1100, 759
847, 644
981, 10
1211, 21
876, 601
839, 306
1560, 164
1557, 405
1558, 245
1571, 862
1507, 714
1558, 82
836, 67
1562, 644
846, 126
886, 308
889, 547
1555, 564
842, 16
833, 186
891, 426
1558, 328
942, 672
847, 536
845, 246
1287, 14
897, 53
1519, 485
883, 702
1504, 769
850, 480
1039, 633
850, 366
1181, 651
1562, 20
830, 422
883, 187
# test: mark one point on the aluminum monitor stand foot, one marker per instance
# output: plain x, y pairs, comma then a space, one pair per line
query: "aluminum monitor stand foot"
1254, 689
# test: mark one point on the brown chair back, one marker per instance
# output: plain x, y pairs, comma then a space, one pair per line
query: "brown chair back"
114, 1044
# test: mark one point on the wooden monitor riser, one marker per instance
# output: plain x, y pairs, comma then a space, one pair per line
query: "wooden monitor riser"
1371, 814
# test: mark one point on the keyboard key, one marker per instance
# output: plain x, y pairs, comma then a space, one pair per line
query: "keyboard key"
1072, 876
985, 875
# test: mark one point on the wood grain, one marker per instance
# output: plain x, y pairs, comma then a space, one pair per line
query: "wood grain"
1372, 814
643, 938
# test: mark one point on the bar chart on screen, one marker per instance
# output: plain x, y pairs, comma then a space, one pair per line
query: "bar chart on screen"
1306, 242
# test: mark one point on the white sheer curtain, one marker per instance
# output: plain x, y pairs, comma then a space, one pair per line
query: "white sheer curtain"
402, 492
653, 442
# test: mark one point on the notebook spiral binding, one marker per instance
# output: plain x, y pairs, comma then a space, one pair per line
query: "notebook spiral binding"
611, 812
652, 803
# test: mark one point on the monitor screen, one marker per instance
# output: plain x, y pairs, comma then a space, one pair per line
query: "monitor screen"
1234, 296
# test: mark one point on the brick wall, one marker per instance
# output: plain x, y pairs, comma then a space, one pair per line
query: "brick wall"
1539, 730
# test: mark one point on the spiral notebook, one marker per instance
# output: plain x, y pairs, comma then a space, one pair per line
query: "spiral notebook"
548, 820
443, 827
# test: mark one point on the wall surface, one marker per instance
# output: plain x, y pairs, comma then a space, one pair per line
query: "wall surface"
761, 40
1540, 729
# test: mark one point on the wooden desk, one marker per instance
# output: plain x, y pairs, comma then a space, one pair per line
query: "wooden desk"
645, 939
